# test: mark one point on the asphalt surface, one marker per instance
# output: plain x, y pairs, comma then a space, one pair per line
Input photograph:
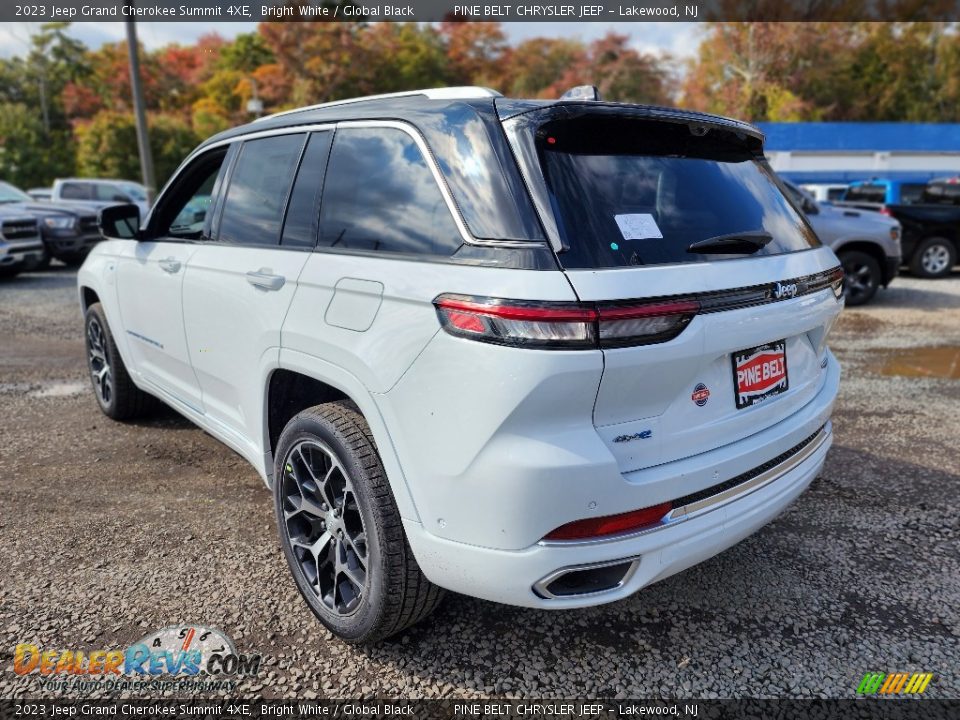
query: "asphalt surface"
111, 531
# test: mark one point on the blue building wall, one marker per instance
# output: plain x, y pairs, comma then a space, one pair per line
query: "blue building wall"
911, 141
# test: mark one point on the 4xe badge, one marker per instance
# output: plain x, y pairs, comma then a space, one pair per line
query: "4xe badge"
701, 393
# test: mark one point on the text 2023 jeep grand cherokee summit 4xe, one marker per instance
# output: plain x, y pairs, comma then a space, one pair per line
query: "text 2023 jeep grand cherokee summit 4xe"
539, 352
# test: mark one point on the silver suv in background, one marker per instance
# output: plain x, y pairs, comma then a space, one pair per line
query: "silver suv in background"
867, 243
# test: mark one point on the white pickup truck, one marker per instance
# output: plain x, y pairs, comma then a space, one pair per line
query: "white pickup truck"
100, 191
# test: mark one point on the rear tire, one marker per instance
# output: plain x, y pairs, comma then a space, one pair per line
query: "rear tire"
116, 394
933, 257
861, 277
340, 529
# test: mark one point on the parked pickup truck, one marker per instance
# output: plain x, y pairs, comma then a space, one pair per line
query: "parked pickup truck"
19, 241
100, 192
867, 243
68, 230
883, 192
931, 227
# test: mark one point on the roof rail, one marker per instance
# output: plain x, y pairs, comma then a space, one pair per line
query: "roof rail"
465, 92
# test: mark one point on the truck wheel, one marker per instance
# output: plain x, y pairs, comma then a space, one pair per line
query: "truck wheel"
933, 258
861, 277
116, 394
340, 529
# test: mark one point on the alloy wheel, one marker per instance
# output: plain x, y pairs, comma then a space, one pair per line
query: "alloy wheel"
935, 259
858, 280
99, 362
324, 526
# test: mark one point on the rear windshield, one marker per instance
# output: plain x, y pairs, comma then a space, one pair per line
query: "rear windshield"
636, 192
911, 193
867, 193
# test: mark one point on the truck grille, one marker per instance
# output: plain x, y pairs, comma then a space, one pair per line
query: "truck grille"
19, 229
88, 225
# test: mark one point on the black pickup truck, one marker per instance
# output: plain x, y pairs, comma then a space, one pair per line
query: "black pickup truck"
931, 227
68, 230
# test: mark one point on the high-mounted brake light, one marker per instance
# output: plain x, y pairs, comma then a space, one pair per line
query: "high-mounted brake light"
610, 524
563, 325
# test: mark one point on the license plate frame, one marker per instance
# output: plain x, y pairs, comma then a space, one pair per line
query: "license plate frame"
750, 386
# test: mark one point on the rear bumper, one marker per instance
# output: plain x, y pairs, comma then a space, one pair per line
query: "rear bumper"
512, 576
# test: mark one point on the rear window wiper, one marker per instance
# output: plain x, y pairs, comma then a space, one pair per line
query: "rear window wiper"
739, 243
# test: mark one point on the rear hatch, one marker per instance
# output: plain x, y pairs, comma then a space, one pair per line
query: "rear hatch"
688, 214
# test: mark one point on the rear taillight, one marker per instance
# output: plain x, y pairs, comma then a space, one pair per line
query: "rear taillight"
563, 325
610, 524
884, 210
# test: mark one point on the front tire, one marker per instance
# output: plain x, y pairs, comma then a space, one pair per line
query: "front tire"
116, 394
861, 277
933, 258
340, 529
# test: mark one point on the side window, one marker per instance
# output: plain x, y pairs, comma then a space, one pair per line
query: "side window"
300, 227
75, 191
111, 193
258, 188
380, 195
182, 211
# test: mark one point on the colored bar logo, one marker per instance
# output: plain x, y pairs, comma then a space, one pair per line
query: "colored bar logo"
894, 683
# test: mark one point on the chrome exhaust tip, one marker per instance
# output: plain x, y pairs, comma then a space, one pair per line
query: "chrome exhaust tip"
584, 580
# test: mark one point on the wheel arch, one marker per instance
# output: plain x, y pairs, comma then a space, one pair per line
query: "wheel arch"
300, 381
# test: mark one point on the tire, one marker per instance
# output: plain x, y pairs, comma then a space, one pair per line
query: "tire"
340, 529
934, 257
116, 394
862, 277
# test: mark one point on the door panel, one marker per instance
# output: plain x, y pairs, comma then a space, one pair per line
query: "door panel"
235, 300
149, 285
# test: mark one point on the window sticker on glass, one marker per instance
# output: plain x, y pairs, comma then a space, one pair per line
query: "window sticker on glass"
638, 226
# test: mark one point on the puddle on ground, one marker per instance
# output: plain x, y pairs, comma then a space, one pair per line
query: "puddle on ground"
929, 362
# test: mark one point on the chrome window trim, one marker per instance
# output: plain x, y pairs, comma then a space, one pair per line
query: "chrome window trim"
204, 149
701, 507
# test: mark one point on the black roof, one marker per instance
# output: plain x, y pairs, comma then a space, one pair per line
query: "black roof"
413, 107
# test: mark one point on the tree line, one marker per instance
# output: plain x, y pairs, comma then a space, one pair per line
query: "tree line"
65, 108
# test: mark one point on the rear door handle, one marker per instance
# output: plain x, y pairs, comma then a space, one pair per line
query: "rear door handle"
170, 265
263, 278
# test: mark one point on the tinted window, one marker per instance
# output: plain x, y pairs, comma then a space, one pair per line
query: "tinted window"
947, 193
867, 193
300, 227
911, 193
75, 191
380, 195
111, 193
253, 208
633, 192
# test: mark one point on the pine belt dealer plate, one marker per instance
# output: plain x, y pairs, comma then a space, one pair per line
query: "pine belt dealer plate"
759, 373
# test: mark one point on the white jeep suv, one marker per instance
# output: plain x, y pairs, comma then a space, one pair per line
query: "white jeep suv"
539, 352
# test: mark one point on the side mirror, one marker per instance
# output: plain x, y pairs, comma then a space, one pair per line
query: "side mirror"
810, 207
120, 222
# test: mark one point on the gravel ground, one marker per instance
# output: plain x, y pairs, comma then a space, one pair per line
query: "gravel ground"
111, 531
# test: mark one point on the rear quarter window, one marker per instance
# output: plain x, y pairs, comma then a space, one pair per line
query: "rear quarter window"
635, 192
867, 193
